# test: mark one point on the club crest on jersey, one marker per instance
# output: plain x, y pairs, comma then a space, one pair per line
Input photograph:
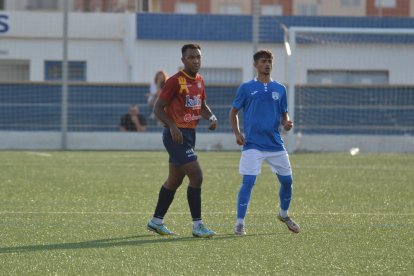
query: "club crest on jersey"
193, 102
199, 84
275, 96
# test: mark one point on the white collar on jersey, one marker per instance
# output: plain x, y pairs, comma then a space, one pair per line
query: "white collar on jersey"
255, 79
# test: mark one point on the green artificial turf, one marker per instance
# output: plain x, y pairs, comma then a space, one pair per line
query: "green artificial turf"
85, 213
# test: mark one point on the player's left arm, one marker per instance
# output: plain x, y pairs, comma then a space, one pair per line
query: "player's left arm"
286, 122
206, 113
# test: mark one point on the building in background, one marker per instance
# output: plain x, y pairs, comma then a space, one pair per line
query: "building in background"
363, 83
129, 48
386, 8
389, 7
329, 7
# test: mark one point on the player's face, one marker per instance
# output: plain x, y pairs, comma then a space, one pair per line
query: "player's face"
264, 66
192, 61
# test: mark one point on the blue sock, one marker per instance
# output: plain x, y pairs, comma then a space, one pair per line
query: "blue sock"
244, 195
285, 191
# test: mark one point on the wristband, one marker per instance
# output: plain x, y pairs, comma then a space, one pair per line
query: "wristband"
212, 118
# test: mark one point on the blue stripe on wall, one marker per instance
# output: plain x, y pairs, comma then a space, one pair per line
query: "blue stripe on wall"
193, 27
205, 27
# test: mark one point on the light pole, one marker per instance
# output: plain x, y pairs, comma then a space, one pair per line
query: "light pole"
64, 109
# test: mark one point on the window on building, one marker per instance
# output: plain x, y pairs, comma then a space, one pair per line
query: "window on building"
230, 9
347, 77
230, 76
14, 70
76, 70
272, 9
307, 9
107, 6
350, 3
140, 5
385, 3
188, 8
145, 5
86, 5
42, 5
1, 4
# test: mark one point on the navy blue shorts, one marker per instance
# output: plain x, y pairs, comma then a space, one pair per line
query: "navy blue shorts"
180, 154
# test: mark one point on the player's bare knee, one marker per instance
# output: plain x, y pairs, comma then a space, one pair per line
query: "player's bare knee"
196, 180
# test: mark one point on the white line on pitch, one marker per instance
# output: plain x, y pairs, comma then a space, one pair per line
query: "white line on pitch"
207, 213
44, 154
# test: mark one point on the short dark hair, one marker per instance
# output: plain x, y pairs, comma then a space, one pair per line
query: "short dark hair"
190, 46
262, 54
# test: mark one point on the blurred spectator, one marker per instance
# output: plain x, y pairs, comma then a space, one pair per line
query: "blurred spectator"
156, 86
133, 121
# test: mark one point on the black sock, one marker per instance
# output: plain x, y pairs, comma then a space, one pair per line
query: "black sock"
165, 199
194, 201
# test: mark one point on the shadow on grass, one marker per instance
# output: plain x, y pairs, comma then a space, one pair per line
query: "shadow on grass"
136, 240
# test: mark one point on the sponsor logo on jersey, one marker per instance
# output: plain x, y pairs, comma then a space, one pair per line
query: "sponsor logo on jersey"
275, 96
193, 102
254, 92
189, 117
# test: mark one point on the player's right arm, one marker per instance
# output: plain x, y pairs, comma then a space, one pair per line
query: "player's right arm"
237, 104
235, 126
159, 111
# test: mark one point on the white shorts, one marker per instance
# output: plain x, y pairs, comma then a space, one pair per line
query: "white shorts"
251, 162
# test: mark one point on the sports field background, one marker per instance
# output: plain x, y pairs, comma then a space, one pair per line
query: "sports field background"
84, 213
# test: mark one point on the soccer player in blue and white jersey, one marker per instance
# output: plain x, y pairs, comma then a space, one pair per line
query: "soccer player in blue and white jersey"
264, 106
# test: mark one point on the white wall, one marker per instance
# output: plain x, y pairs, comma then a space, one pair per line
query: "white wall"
88, 26
150, 56
397, 59
98, 39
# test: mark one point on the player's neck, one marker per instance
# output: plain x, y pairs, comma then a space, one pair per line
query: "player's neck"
189, 74
263, 78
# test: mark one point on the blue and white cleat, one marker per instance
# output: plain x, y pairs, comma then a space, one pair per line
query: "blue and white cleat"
159, 229
203, 232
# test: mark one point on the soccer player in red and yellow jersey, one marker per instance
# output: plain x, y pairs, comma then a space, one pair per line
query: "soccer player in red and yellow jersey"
180, 106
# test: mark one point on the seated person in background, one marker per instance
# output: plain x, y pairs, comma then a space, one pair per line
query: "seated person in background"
133, 121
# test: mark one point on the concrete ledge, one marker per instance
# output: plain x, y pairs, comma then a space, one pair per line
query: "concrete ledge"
38, 140
365, 143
